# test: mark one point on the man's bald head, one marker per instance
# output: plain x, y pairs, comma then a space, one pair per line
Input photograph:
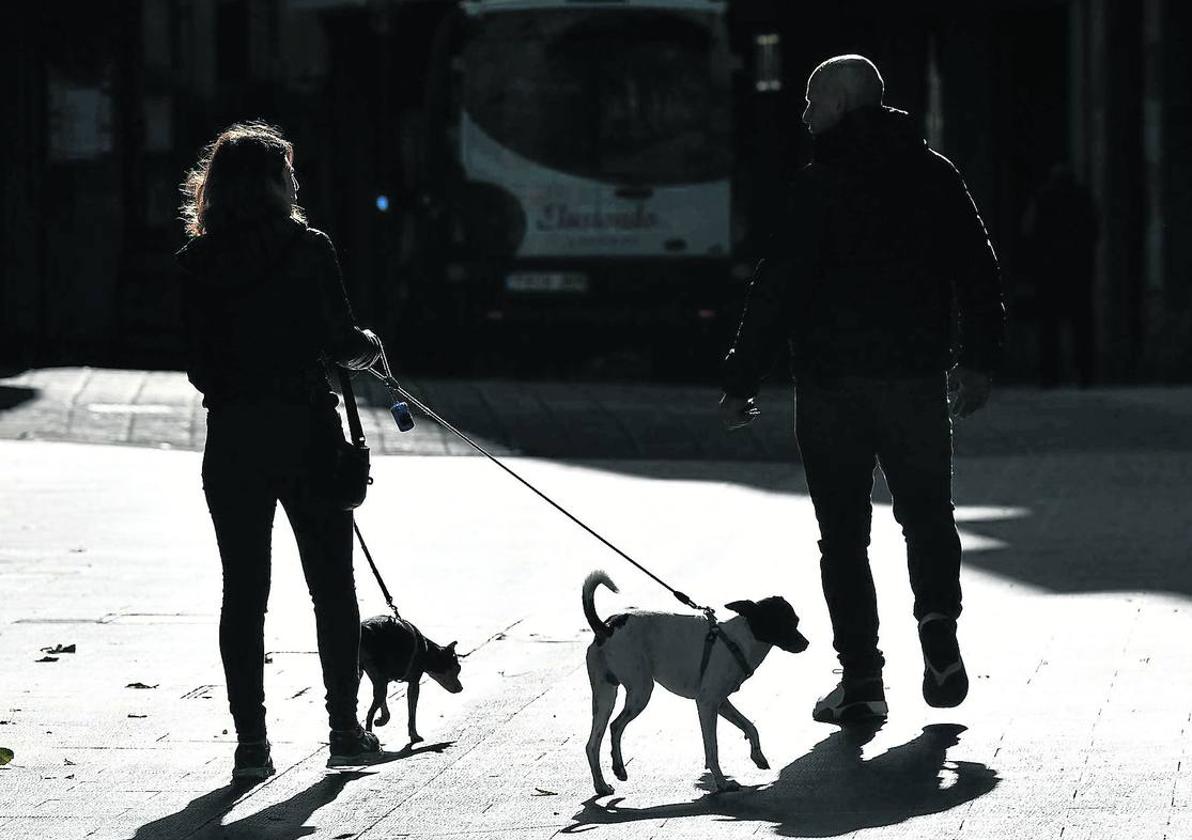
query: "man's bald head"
839, 85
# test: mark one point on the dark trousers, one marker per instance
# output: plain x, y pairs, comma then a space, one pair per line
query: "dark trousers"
255, 457
845, 428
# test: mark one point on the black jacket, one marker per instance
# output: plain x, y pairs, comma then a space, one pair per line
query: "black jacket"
262, 307
880, 266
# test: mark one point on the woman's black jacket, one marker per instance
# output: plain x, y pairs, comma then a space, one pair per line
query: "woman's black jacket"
262, 307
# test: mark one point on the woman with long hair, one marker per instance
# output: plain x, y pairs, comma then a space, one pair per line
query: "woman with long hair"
265, 311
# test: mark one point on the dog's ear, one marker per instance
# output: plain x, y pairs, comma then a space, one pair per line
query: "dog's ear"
451, 648
742, 607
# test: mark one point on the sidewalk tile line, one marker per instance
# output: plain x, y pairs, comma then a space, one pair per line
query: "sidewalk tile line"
73, 400
275, 777
481, 740
136, 397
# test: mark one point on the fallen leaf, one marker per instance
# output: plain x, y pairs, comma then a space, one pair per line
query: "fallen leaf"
543, 792
59, 649
71, 776
47, 659
268, 659
138, 716
68, 762
140, 685
6, 755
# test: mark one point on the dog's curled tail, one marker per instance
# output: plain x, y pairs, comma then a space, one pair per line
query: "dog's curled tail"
594, 580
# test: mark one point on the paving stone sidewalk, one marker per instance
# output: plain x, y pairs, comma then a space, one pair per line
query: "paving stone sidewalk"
1073, 514
1079, 723
581, 420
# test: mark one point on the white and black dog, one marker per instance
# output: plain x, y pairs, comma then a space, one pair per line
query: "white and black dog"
638, 649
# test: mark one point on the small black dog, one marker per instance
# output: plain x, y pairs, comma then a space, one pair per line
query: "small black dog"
394, 649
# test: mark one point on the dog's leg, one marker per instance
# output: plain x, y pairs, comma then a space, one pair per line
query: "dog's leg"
730, 713
708, 710
380, 685
636, 698
604, 697
412, 705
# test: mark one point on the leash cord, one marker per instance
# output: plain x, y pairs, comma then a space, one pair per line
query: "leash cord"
373, 566
389, 380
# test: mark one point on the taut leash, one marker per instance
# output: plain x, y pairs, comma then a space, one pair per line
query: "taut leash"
391, 382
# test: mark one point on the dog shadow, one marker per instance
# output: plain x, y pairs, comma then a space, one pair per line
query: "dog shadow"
411, 750
832, 790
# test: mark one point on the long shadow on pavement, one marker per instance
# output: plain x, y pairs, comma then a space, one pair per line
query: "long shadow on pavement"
832, 790
11, 396
1068, 524
283, 821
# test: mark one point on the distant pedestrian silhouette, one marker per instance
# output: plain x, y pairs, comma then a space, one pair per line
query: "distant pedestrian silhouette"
879, 240
1060, 230
264, 308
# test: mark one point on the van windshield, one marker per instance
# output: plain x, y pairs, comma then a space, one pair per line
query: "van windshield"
627, 96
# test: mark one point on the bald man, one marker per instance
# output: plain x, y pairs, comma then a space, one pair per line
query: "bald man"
881, 278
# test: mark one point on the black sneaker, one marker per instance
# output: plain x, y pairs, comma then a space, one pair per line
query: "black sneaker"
945, 683
252, 761
353, 747
855, 698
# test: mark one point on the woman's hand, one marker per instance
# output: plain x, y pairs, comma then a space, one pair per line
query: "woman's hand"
737, 412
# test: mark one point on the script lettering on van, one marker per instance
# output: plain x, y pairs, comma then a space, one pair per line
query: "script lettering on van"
559, 217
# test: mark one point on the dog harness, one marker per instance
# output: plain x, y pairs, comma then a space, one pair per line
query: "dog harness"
714, 633
418, 650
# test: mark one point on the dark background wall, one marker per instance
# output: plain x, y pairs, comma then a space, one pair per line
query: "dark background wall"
111, 101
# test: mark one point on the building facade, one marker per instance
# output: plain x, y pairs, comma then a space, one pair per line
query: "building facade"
110, 102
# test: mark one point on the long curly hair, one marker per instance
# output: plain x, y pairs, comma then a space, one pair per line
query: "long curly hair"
240, 177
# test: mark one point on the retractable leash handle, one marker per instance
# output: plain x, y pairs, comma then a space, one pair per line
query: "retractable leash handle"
386, 376
399, 410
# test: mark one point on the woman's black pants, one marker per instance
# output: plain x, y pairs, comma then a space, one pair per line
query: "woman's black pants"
256, 456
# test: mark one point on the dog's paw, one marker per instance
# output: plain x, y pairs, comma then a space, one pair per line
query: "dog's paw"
604, 789
415, 737
382, 720
619, 772
727, 786
760, 760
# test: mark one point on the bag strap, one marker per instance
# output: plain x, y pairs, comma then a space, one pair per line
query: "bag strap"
345, 385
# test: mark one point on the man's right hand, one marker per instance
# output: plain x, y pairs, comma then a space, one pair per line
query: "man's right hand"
737, 412
968, 390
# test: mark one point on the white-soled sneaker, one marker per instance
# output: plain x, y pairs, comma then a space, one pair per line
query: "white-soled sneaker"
252, 761
354, 748
853, 699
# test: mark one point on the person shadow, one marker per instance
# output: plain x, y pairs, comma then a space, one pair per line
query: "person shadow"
201, 818
832, 790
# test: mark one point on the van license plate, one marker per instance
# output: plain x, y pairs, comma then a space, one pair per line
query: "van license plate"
564, 282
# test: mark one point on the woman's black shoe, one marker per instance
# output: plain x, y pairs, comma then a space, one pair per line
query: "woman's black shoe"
252, 761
